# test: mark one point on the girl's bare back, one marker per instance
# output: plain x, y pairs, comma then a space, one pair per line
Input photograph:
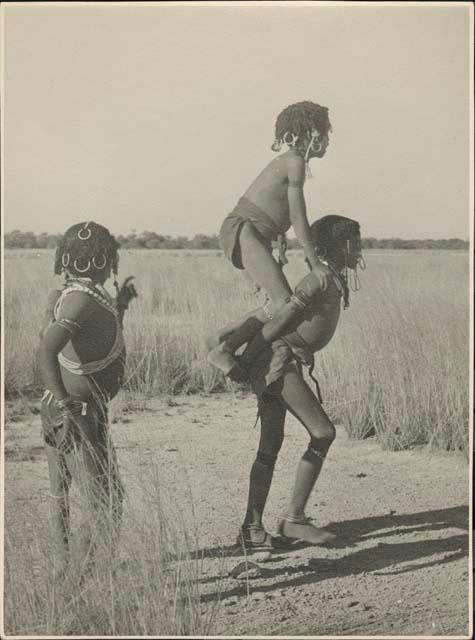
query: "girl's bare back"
93, 342
269, 191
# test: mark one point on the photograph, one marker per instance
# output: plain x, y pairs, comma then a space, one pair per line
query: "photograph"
237, 289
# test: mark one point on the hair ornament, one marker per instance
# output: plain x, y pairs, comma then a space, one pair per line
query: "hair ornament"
82, 270
65, 260
104, 262
81, 236
311, 145
354, 281
293, 142
351, 275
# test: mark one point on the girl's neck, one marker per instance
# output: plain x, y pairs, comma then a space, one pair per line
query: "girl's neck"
296, 151
88, 280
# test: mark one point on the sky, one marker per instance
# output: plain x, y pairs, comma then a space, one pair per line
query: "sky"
158, 116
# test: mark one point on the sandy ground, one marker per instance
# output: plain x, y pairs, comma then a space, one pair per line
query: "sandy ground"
400, 566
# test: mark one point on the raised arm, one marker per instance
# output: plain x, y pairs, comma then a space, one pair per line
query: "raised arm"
125, 294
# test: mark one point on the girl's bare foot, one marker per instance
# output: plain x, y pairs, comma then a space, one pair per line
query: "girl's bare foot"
225, 362
303, 529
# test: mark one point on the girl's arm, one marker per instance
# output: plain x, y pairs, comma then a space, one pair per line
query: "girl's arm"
298, 217
257, 316
75, 309
124, 295
287, 318
48, 317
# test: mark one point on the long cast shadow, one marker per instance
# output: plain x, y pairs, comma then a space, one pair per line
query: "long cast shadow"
374, 559
350, 532
371, 560
355, 530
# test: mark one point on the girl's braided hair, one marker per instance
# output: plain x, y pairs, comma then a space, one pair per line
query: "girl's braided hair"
86, 249
300, 118
330, 234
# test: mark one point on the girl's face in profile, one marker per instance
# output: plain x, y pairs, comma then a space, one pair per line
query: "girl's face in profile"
353, 251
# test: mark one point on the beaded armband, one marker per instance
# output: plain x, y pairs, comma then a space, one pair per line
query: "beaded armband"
301, 299
69, 325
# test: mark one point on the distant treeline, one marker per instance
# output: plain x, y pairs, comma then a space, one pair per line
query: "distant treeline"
152, 240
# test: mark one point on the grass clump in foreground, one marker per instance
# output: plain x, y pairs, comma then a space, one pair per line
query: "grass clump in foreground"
398, 366
148, 584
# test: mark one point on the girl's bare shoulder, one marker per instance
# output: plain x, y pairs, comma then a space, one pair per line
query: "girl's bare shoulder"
77, 304
310, 285
286, 163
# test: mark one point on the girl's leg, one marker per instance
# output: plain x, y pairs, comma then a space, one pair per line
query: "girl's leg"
253, 535
261, 267
272, 415
60, 483
93, 466
302, 403
267, 274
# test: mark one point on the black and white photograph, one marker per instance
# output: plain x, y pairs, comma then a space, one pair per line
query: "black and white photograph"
237, 319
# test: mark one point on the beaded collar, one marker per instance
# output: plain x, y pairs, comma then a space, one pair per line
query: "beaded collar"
94, 289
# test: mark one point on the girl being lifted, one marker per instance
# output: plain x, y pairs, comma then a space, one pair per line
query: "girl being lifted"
272, 204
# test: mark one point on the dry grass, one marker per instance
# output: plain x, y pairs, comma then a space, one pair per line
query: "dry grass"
150, 586
397, 367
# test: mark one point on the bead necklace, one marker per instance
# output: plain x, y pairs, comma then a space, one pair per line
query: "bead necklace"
94, 290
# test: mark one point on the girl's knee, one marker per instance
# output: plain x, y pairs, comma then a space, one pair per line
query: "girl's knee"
266, 459
274, 304
322, 434
329, 433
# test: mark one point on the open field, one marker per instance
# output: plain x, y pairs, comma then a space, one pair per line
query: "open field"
395, 377
397, 367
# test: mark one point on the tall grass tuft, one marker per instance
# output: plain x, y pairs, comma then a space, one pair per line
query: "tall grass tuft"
148, 584
397, 367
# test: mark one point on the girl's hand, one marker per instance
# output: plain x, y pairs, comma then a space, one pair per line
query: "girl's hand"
126, 293
69, 407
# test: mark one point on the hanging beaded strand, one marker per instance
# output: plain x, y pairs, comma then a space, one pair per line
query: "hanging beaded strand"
315, 137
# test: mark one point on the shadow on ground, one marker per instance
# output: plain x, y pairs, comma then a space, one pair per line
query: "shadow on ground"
394, 556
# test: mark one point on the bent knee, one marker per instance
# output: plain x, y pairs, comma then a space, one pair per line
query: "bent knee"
323, 435
330, 433
267, 458
273, 305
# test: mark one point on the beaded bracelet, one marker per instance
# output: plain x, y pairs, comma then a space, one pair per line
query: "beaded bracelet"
69, 406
